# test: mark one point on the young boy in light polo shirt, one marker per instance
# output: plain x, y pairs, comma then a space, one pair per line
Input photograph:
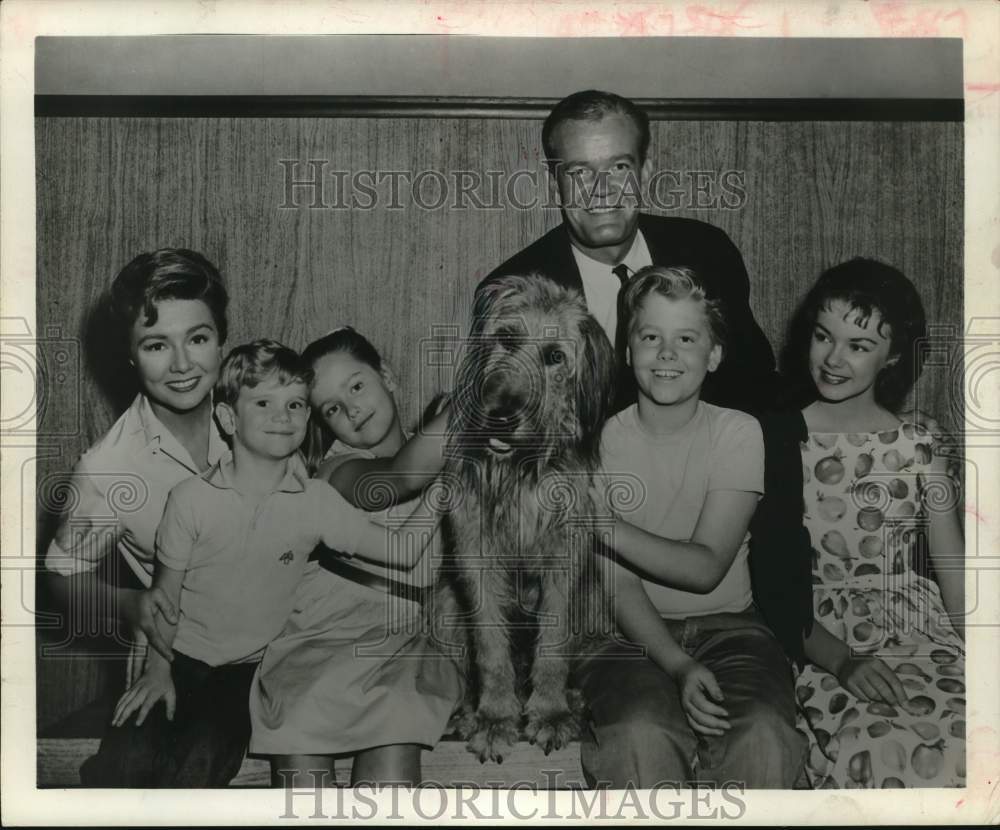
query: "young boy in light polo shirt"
230, 551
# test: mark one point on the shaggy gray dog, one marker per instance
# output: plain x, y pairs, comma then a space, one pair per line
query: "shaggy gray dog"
520, 588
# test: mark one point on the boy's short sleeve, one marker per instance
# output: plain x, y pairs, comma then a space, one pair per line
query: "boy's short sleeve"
341, 525
737, 454
176, 533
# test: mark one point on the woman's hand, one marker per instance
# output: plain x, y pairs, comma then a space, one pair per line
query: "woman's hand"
700, 697
141, 608
870, 679
154, 685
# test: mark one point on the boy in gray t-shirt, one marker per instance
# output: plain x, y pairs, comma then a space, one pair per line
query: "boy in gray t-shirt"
712, 699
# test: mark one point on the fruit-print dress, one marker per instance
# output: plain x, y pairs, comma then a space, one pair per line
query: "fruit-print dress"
866, 500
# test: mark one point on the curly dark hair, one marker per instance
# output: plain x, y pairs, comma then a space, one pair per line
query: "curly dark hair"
167, 274
868, 287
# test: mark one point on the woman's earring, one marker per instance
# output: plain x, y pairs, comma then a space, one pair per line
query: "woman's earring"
892, 361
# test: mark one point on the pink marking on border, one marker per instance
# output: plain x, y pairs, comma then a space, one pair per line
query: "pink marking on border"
902, 19
665, 23
580, 23
710, 21
973, 512
632, 23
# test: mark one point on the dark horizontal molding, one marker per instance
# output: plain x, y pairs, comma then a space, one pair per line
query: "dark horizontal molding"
340, 106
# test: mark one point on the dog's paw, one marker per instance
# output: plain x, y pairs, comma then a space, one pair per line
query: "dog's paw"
491, 738
552, 730
463, 721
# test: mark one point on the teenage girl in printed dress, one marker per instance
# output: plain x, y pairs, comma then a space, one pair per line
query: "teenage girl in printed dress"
883, 696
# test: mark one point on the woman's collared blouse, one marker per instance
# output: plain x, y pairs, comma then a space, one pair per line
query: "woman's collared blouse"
116, 495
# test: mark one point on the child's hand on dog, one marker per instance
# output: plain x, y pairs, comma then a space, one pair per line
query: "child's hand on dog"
700, 697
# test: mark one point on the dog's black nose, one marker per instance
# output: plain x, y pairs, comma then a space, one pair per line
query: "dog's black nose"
503, 415
500, 406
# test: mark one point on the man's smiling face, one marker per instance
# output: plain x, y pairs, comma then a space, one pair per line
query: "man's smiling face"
599, 177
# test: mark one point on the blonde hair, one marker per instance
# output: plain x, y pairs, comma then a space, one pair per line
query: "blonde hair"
251, 363
674, 283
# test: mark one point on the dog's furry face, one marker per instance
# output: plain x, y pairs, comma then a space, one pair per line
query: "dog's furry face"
537, 378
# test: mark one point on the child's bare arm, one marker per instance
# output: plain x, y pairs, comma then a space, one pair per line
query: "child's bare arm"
400, 547
351, 531
394, 479
697, 565
168, 582
678, 564
946, 539
640, 622
865, 676
155, 684
722, 527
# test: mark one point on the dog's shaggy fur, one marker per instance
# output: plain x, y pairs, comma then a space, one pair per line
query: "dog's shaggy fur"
520, 589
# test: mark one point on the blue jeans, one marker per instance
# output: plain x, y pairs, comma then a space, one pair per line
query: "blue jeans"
641, 736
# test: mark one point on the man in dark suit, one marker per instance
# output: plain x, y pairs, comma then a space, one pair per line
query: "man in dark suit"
596, 146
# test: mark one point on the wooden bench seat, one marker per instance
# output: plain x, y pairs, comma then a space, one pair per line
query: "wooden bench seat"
448, 764
64, 746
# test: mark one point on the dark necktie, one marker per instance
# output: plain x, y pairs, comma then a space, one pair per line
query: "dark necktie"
621, 271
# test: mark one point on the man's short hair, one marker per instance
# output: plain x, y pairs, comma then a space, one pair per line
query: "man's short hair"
593, 105
251, 363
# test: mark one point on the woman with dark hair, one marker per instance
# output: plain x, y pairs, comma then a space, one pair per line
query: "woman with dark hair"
882, 693
866, 285
170, 309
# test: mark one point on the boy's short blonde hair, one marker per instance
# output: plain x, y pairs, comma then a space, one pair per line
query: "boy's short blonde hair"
251, 363
675, 283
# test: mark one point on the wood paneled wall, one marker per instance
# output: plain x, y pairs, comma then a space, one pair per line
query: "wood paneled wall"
108, 188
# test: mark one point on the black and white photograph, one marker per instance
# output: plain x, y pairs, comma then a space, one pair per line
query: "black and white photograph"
432, 415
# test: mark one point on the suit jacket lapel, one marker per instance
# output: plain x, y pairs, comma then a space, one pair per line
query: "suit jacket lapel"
655, 238
562, 263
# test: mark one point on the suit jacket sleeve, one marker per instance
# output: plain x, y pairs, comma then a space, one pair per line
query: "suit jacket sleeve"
780, 549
